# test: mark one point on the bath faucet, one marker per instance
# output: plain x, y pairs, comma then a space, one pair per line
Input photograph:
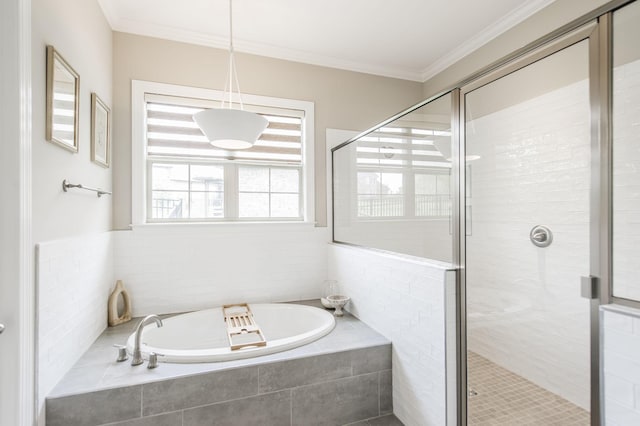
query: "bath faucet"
137, 354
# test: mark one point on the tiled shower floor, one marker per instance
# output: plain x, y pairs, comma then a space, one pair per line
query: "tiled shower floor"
504, 398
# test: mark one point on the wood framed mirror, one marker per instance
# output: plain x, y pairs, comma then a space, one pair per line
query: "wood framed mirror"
63, 89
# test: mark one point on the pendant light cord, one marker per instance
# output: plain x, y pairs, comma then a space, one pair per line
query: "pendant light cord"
233, 73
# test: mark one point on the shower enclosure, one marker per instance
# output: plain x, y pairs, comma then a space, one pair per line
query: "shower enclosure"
529, 166
524, 178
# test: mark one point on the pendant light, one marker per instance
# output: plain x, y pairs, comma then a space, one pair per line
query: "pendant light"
227, 127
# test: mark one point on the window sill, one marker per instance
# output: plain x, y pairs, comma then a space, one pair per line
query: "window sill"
222, 225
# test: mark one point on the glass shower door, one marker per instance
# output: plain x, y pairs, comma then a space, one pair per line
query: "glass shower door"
528, 160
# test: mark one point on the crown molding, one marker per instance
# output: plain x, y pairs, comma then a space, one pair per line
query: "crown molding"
489, 33
168, 32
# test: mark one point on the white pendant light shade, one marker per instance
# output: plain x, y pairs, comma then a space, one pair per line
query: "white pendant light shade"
230, 128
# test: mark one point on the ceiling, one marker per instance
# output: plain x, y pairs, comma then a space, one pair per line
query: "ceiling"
408, 39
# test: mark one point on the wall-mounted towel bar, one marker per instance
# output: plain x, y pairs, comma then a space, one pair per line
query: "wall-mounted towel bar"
66, 185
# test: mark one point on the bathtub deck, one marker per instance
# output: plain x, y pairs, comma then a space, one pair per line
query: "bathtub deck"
352, 355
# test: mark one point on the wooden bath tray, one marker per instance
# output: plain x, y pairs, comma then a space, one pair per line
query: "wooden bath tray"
242, 329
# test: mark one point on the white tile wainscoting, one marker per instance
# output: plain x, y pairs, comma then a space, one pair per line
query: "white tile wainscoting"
404, 300
73, 279
179, 268
620, 331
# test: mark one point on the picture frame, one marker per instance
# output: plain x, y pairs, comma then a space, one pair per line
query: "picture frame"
100, 131
63, 100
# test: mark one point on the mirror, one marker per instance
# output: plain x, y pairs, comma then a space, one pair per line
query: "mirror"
63, 87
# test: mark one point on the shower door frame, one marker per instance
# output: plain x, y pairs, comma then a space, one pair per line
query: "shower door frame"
597, 33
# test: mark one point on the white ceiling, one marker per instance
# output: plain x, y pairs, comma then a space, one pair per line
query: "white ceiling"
409, 39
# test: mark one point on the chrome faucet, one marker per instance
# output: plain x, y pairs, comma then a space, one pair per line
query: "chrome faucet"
137, 354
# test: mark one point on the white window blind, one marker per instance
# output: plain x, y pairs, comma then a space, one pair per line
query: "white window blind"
171, 131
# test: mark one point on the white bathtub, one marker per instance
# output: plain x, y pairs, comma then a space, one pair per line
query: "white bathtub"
201, 336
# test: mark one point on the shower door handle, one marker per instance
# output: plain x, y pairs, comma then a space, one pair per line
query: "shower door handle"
589, 287
1, 328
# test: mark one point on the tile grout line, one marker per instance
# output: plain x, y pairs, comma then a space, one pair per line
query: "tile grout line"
291, 407
379, 379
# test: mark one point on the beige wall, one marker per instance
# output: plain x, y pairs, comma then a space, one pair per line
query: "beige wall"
79, 31
547, 20
343, 99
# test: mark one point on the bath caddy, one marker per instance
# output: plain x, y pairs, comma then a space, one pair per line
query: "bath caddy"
242, 329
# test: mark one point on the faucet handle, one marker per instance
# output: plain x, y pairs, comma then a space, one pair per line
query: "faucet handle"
122, 353
153, 360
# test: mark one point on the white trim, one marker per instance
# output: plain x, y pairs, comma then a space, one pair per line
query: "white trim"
15, 173
492, 31
138, 129
334, 137
28, 400
168, 32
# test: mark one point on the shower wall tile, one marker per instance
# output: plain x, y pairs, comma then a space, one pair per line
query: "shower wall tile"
534, 168
182, 268
403, 299
621, 344
73, 280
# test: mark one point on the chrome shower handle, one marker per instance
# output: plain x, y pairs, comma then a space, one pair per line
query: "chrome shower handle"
541, 236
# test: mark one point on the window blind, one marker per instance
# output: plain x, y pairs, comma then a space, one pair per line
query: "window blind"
403, 146
171, 131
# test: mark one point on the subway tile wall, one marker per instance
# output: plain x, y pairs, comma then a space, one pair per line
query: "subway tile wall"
169, 269
626, 179
74, 278
620, 328
524, 307
404, 300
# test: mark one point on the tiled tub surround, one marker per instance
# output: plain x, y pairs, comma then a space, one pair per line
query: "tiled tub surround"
408, 301
342, 378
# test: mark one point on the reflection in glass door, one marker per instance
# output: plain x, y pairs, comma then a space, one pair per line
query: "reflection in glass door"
527, 137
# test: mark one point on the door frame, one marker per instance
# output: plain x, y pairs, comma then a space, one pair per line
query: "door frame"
592, 31
17, 311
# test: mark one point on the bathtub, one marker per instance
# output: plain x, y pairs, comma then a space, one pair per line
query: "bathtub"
201, 336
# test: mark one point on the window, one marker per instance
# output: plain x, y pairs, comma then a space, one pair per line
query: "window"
380, 194
432, 197
178, 176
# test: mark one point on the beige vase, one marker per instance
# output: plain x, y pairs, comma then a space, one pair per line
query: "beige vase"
114, 318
